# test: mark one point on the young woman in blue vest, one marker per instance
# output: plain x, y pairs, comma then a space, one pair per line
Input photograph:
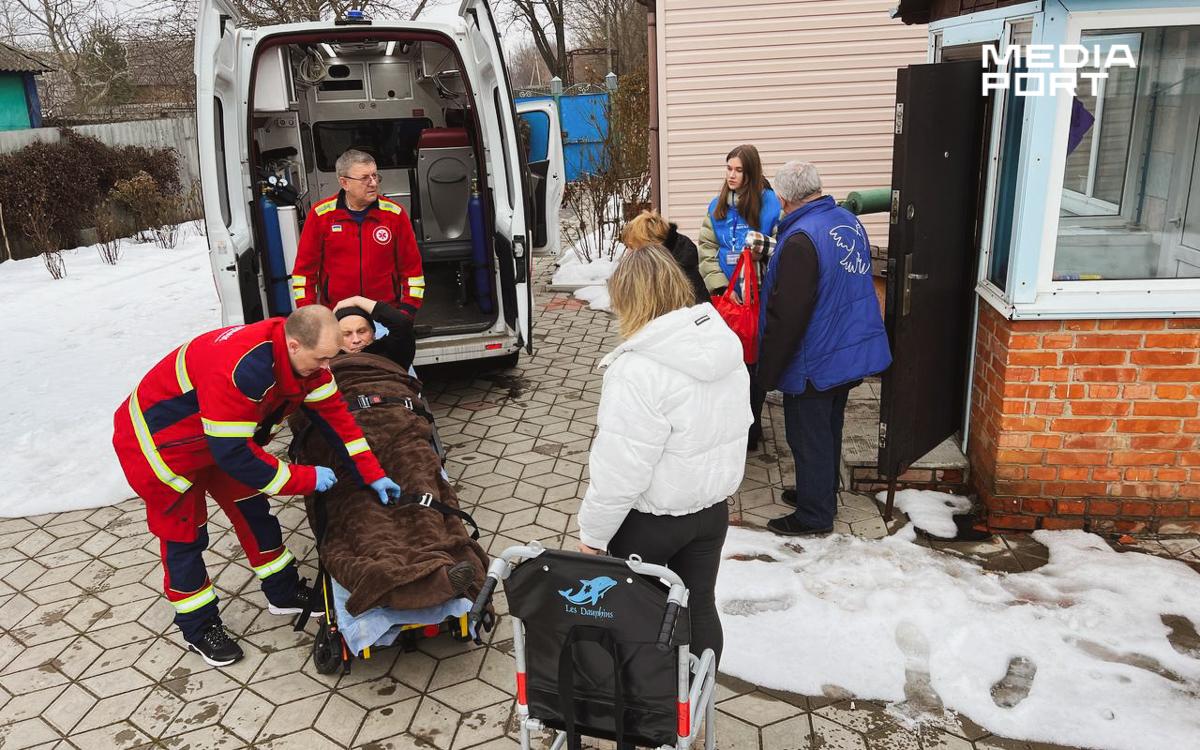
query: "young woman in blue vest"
746, 202
820, 334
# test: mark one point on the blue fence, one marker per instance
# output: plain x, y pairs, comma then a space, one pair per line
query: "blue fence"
584, 125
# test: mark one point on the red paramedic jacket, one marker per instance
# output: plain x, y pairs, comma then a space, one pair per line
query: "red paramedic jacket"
216, 400
337, 258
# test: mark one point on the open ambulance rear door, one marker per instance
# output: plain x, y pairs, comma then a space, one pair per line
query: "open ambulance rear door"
222, 65
497, 115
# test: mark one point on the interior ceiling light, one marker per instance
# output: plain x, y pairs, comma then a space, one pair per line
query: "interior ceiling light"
391, 47
328, 49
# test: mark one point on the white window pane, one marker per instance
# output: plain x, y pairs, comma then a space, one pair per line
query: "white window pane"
1131, 184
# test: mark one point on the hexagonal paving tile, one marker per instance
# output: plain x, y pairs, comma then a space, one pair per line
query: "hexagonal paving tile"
92, 654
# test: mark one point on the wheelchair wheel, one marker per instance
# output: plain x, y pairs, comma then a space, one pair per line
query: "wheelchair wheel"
327, 650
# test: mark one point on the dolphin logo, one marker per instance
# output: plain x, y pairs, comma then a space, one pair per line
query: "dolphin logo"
847, 238
590, 592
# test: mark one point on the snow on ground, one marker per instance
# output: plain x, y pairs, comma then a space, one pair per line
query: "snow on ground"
75, 348
592, 276
930, 511
894, 621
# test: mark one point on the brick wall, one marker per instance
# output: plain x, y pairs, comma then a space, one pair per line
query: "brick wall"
1087, 424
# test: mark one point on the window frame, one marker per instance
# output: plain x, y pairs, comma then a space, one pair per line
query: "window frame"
1112, 213
1110, 298
1031, 292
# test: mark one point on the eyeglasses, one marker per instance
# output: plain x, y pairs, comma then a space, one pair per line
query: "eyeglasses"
366, 180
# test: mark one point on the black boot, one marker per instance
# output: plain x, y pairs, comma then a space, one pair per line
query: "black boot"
301, 599
215, 646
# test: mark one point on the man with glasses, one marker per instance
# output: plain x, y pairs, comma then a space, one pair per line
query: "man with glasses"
358, 243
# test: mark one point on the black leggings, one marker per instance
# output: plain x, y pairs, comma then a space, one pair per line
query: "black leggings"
691, 546
757, 397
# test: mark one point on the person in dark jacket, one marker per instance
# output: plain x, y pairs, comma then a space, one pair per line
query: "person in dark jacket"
357, 317
650, 228
820, 334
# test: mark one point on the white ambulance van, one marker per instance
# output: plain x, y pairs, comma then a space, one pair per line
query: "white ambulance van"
430, 100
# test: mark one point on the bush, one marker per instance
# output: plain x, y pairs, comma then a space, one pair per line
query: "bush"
615, 181
52, 190
110, 228
142, 197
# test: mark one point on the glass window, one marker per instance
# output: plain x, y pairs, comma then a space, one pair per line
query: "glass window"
222, 167
538, 146
1131, 183
1006, 181
504, 142
392, 142
1012, 125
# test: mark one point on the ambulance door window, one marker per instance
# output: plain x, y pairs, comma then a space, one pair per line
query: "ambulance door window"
222, 168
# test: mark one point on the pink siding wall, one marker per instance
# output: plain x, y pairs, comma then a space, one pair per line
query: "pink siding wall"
810, 79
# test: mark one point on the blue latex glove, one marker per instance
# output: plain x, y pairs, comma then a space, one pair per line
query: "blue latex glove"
325, 478
386, 489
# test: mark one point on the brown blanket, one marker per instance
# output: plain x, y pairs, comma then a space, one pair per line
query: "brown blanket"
385, 555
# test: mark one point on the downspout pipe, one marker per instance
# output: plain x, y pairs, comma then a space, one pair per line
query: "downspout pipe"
652, 75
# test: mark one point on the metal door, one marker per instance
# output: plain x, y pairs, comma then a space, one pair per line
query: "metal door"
936, 174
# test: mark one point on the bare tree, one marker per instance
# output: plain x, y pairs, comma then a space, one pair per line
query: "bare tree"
14, 26
618, 26
546, 21
61, 27
526, 67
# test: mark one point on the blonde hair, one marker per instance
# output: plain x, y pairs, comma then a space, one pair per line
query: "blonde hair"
647, 283
647, 228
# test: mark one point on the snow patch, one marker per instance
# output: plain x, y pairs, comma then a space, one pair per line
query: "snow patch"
930, 511
75, 349
1075, 652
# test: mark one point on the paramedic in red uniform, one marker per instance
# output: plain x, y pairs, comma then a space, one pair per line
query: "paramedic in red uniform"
196, 424
358, 243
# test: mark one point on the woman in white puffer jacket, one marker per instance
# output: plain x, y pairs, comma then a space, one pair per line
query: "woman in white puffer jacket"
670, 445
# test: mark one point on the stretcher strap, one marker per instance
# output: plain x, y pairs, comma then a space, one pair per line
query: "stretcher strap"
429, 501
354, 403
566, 680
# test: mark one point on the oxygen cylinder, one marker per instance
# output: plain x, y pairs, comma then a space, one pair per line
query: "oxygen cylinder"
276, 270
479, 258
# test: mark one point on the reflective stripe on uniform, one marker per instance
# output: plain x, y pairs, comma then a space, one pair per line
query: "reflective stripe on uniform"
417, 291
228, 429
185, 383
276, 565
196, 601
297, 293
389, 206
416, 281
357, 446
321, 393
150, 450
298, 287
282, 475
326, 207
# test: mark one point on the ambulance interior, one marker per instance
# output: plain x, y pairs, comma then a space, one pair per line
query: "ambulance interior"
404, 102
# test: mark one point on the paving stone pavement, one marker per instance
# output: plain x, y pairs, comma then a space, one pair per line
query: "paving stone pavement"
89, 657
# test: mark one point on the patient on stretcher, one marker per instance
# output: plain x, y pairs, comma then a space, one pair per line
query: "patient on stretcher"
415, 553
360, 319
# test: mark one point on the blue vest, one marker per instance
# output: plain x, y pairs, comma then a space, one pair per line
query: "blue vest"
845, 339
731, 231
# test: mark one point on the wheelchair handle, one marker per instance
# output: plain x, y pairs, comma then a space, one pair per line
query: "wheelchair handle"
481, 602
668, 626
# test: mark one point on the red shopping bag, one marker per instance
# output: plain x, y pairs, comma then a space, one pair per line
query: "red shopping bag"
742, 315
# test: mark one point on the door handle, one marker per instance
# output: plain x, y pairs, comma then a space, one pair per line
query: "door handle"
908, 278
